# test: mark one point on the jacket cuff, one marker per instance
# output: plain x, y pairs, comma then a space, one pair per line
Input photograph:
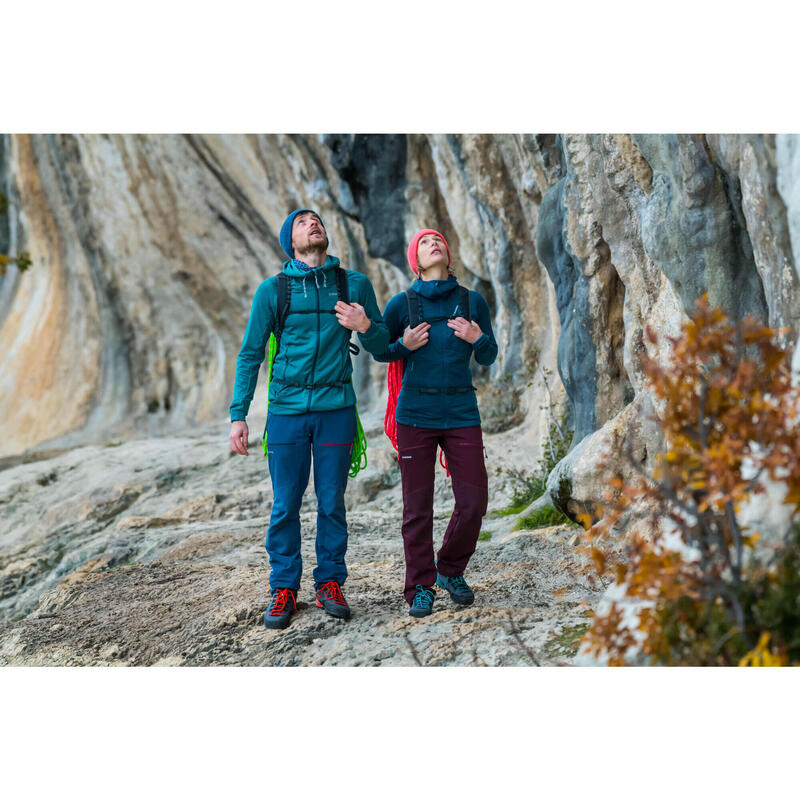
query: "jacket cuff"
480, 342
372, 332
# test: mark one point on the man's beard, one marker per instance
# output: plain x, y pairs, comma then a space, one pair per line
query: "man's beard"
314, 246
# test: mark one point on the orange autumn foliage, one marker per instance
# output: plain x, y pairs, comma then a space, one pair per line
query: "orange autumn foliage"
728, 410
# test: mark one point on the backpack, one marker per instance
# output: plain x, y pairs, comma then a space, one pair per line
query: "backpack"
394, 378
359, 451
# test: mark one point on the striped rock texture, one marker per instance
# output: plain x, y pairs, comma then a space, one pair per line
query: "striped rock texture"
147, 251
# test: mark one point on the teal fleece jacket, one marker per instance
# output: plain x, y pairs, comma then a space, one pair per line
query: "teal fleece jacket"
443, 362
313, 347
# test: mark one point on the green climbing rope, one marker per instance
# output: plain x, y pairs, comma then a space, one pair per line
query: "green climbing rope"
359, 458
359, 452
272, 347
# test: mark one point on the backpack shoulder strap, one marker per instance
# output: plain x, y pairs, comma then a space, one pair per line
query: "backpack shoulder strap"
414, 313
342, 287
343, 291
284, 299
463, 301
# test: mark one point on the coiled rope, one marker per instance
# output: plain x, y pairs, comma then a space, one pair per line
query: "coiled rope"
394, 382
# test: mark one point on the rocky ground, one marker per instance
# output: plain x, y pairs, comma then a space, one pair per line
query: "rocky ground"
150, 552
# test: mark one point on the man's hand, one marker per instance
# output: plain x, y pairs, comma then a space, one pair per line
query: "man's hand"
352, 316
414, 338
238, 437
468, 331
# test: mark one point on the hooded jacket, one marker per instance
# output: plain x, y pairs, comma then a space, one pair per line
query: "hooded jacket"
313, 347
443, 363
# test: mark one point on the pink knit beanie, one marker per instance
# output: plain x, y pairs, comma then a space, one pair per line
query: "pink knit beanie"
412, 249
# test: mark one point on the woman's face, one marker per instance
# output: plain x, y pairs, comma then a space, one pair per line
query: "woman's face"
431, 252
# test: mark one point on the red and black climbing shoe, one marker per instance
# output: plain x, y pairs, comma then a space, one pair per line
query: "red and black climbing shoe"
283, 605
330, 597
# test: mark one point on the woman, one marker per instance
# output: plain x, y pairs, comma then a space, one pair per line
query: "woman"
442, 326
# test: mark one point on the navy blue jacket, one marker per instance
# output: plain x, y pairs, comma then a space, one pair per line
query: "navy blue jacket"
442, 363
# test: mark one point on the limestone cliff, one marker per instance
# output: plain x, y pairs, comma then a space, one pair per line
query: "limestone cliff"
636, 229
147, 251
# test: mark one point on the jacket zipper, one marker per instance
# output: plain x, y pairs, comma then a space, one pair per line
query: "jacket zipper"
441, 309
316, 352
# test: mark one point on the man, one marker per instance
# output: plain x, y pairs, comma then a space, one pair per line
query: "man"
311, 405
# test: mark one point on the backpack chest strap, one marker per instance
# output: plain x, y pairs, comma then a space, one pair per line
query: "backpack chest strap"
415, 316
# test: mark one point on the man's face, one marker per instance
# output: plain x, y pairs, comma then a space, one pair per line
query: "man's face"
431, 252
308, 234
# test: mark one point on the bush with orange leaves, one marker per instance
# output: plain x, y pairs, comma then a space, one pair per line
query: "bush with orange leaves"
697, 588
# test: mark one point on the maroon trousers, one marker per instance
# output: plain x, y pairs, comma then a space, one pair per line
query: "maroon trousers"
463, 448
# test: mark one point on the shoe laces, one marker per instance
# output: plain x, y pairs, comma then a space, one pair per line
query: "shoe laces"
279, 601
332, 591
459, 583
423, 598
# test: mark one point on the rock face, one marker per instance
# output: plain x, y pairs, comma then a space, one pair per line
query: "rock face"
147, 251
632, 234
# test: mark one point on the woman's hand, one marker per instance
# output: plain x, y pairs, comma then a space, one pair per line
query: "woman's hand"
414, 338
468, 331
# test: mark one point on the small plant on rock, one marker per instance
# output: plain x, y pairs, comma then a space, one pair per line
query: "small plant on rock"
556, 446
23, 260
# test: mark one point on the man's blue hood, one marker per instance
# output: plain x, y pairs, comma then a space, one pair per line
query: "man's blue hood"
291, 269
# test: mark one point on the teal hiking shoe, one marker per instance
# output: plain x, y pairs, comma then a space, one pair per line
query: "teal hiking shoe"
423, 602
280, 610
458, 589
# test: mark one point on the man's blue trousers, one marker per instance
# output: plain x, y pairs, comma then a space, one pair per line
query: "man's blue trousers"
291, 441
